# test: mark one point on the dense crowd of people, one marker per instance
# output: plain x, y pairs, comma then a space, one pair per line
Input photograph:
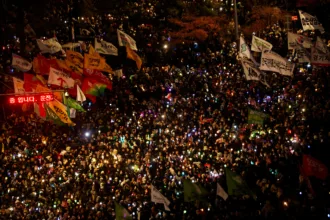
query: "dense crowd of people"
183, 116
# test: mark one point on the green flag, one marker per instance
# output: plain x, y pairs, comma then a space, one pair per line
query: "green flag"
236, 185
52, 116
121, 212
71, 103
256, 117
193, 191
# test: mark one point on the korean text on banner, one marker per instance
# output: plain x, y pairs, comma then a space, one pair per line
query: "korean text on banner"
20, 63
310, 22
93, 62
252, 72
124, 39
295, 39
271, 61
49, 46
319, 58
302, 54
57, 77
61, 111
104, 47
259, 44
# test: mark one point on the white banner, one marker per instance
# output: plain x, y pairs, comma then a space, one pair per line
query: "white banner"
221, 192
20, 63
319, 58
244, 50
157, 197
302, 54
49, 46
124, 39
310, 22
57, 77
104, 47
252, 72
271, 61
294, 39
18, 85
320, 45
259, 44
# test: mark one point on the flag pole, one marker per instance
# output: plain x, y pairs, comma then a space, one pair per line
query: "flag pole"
236, 20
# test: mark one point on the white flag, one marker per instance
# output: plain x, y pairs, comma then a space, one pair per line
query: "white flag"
271, 61
57, 77
71, 46
157, 197
124, 39
104, 47
294, 39
244, 50
221, 192
20, 63
118, 73
259, 44
320, 59
320, 45
252, 72
310, 22
302, 54
73, 113
18, 85
80, 95
49, 46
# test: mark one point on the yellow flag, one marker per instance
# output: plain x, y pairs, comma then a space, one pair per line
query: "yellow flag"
57, 95
93, 52
74, 67
75, 58
108, 69
133, 56
63, 65
94, 62
61, 111
18, 85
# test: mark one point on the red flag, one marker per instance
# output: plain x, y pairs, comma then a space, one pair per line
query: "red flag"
41, 64
308, 182
31, 82
313, 167
78, 78
98, 76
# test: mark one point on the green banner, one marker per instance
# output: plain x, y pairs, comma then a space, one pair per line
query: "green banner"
256, 117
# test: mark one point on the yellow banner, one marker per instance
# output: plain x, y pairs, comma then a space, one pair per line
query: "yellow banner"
107, 67
94, 62
61, 111
75, 58
74, 68
62, 65
133, 56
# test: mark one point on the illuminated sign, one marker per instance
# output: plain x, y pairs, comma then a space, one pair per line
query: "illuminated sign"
294, 18
31, 98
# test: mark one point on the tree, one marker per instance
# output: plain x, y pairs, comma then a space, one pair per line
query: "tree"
261, 17
196, 28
